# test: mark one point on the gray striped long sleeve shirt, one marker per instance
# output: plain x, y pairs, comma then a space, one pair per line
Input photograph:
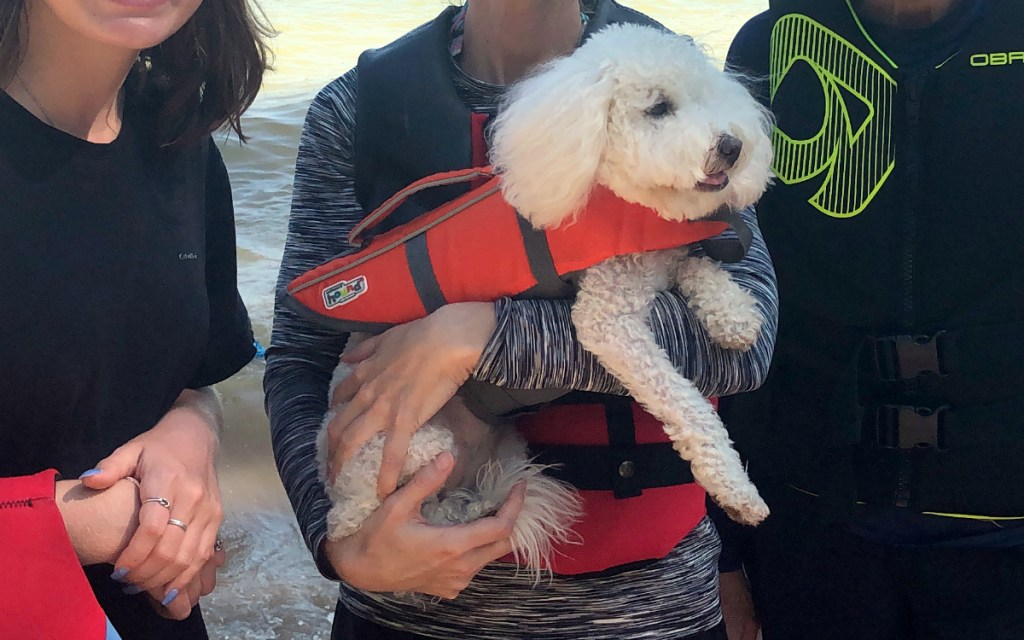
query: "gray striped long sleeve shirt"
533, 346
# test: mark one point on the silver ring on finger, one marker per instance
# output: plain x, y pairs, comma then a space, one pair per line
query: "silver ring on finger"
174, 522
163, 502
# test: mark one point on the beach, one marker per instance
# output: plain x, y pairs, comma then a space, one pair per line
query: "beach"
270, 588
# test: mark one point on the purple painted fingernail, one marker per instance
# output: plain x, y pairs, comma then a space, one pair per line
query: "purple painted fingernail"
169, 598
119, 574
90, 473
132, 589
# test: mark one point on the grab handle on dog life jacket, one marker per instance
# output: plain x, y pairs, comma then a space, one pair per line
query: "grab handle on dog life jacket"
728, 248
391, 204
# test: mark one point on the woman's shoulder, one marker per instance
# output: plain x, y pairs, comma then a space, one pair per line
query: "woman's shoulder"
331, 117
340, 94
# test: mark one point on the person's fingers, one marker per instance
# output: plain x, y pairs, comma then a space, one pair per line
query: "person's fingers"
166, 561
185, 565
340, 432
220, 557
171, 603
344, 388
496, 528
177, 553
347, 388
426, 482
396, 449
362, 351
192, 591
357, 432
466, 567
480, 557
153, 523
119, 464
208, 574
203, 557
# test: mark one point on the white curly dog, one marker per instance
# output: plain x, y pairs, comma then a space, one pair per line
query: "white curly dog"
647, 115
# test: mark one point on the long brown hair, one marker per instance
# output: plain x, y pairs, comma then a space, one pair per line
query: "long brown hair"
201, 78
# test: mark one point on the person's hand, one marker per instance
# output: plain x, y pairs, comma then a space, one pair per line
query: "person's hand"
737, 607
99, 523
403, 377
396, 550
203, 584
174, 461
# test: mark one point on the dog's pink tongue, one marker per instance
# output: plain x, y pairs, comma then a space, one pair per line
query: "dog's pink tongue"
715, 179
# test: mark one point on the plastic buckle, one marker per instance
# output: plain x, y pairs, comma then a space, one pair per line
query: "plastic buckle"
905, 357
904, 427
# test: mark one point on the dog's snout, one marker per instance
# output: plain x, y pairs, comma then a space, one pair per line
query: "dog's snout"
729, 148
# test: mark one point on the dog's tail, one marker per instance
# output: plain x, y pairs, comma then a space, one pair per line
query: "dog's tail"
550, 509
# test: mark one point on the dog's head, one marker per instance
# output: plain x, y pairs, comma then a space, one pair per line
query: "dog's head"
640, 111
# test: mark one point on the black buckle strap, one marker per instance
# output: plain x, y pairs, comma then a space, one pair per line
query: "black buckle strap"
905, 427
905, 357
623, 466
594, 468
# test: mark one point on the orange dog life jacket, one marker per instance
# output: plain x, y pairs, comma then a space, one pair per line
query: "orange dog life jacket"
475, 248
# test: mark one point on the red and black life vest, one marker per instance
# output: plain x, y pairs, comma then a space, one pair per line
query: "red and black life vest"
476, 247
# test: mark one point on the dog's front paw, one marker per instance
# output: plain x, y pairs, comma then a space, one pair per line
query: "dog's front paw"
737, 326
727, 311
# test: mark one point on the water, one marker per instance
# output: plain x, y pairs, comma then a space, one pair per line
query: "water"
271, 589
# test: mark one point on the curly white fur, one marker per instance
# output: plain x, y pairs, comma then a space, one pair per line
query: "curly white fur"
643, 113
490, 461
583, 120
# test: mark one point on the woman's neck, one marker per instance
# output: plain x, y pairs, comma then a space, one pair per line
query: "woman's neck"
70, 82
912, 14
505, 39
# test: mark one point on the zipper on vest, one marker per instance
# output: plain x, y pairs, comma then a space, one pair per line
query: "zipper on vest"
913, 84
12, 504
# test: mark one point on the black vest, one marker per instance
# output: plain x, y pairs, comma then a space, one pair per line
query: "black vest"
896, 229
410, 122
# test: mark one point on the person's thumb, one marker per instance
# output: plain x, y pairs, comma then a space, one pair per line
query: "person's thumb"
427, 481
120, 464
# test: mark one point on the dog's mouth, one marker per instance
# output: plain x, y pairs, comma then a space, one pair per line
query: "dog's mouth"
713, 182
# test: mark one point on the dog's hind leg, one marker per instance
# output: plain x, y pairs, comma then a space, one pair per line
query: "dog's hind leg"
610, 315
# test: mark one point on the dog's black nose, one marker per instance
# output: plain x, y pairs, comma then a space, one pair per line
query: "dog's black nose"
729, 148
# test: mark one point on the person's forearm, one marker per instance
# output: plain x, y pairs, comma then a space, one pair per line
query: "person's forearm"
296, 399
206, 403
302, 355
99, 523
535, 346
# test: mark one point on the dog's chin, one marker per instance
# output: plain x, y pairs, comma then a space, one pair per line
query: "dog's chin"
686, 204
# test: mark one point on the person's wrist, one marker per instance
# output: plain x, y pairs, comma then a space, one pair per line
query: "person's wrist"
188, 424
204, 404
473, 324
337, 554
99, 523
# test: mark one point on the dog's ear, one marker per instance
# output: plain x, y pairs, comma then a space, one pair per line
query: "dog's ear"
550, 136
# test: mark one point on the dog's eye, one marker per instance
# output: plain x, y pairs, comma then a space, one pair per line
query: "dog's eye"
661, 108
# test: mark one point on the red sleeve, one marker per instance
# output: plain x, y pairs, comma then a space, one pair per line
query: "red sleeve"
44, 593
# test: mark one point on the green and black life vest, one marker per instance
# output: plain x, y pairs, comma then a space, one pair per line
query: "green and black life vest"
896, 225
